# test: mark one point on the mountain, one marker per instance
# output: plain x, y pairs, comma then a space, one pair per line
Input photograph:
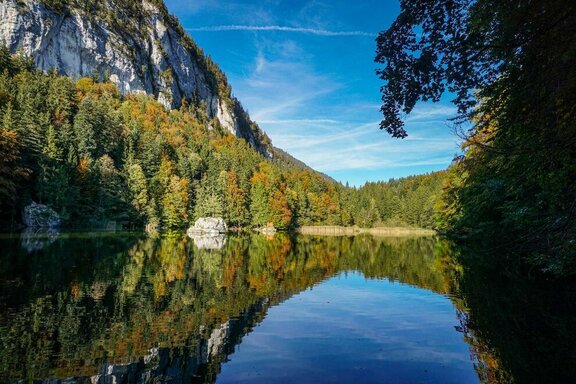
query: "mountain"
135, 44
284, 158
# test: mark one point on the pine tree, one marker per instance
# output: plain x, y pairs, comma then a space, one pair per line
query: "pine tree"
209, 201
111, 193
175, 203
138, 190
11, 172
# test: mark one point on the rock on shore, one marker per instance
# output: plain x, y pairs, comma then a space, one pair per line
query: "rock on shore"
40, 216
208, 225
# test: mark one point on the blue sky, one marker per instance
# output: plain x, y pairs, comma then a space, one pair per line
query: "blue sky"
304, 70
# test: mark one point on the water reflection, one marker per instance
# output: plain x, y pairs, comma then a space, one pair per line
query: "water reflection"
36, 239
520, 329
208, 241
127, 308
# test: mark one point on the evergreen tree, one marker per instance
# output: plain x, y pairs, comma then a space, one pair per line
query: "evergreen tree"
259, 203
11, 172
138, 190
209, 202
175, 203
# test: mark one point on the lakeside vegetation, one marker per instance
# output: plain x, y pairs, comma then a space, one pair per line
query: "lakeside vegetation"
376, 231
96, 156
509, 65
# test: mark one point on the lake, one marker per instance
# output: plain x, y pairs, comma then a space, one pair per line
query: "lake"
126, 308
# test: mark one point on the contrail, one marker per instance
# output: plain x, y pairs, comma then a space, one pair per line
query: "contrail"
312, 31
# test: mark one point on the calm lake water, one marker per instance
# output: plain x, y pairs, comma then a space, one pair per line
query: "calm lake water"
125, 308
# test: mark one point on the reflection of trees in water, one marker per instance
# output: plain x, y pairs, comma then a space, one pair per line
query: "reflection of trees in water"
111, 300
520, 329
83, 303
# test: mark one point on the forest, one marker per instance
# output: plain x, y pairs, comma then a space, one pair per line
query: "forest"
98, 157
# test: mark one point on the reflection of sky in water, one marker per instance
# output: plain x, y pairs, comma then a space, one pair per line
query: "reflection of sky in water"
350, 329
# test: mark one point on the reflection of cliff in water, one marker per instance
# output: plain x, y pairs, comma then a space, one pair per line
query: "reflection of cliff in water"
140, 307
185, 365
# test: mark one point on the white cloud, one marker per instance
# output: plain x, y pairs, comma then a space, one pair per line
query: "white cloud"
279, 28
281, 85
359, 146
314, 102
288, 100
427, 112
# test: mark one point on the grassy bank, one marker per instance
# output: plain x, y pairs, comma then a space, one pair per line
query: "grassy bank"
380, 231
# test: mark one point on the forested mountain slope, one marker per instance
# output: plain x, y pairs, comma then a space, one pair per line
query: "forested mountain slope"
95, 155
136, 44
110, 114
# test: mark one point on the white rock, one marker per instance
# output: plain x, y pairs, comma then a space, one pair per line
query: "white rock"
40, 216
266, 230
208, 225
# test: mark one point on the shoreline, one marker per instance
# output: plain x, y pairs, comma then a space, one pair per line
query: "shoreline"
351, 231
304, 230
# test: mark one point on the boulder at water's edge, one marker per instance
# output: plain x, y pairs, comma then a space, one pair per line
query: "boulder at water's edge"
208, 225
40, 216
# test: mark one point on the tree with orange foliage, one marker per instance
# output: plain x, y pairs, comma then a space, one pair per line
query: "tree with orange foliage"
280, 213
236, 203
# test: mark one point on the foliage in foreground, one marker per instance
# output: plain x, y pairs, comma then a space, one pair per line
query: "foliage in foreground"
511, 66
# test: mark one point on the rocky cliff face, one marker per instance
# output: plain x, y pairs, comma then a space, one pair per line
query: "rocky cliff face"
137, 44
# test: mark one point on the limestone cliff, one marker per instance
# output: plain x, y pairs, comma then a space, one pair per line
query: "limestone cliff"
136, 44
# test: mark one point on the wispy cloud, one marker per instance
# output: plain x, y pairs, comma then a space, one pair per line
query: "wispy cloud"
289, 99
280, 28
284, 86
430, 111
358, 147
318, 104
321, 122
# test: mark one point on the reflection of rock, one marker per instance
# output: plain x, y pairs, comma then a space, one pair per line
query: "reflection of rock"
34, 239
40, 216
206, 241
208, 225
